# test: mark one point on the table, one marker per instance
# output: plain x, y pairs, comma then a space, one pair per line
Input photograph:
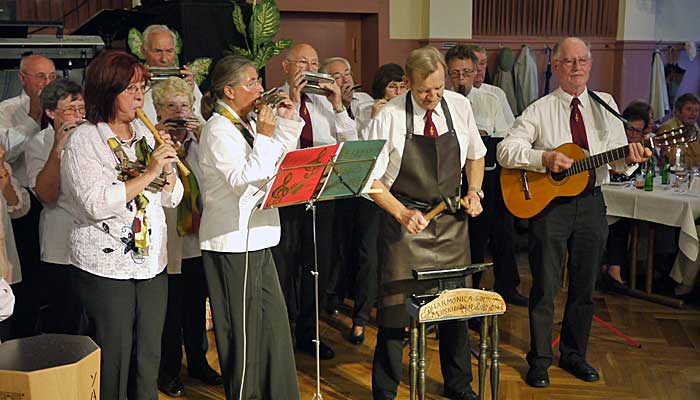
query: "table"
663, 205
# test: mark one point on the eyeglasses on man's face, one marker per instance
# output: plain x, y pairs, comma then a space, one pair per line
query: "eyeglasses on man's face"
456, 73
568, 63
72, 111
303, 63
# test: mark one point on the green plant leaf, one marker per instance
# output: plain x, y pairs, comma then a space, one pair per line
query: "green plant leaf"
238, 19
240, 51
200, 69
266, 52
135, 40
266, 21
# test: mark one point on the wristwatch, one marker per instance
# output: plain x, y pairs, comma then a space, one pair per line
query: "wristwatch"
478, 192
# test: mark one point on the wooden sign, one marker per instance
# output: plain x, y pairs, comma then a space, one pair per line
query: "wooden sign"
462, 303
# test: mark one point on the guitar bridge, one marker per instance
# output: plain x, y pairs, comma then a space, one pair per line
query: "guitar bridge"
524, 187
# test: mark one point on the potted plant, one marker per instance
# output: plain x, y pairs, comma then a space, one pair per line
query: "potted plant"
262, 27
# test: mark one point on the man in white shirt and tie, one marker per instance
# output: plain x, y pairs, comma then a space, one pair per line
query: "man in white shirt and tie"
575, 224
495, 226
20, 119
326, 122
495, 90
341, 70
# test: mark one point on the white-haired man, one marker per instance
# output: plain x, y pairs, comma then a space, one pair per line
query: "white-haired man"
341, 70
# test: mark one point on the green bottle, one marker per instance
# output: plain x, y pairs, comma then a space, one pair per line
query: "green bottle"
649, 177
666, 170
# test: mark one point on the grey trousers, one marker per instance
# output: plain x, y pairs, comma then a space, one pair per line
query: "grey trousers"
269, 371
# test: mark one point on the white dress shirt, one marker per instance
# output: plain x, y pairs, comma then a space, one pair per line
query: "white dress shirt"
544, 125
7, 300
502, 100
488, 113
16, 127
390, 124
183, 247
150, 109
231, 172
10, 268
358, 100
102, 217
55, 222
328, 126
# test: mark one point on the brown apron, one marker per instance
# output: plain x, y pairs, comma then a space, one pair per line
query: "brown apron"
430, 169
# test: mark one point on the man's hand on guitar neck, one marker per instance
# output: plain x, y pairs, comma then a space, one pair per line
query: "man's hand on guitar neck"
556, 161
637, 153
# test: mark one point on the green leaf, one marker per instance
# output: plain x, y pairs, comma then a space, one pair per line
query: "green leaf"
266, 21
135, 40
265, 53
238, 19
200, 69
240, 51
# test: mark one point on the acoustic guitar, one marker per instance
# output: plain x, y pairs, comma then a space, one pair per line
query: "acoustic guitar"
527, 193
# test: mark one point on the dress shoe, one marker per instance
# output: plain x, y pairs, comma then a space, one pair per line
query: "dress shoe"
580, 369
171, 387
537, 377
467, 395
513, 297
611, 284
309, 347
208, 375
357, 339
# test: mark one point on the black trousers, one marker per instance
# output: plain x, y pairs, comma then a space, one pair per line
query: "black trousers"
576, 224
294, 258
495, 227
128, 317
28, 292
454, 359
64, 311
617, 249
185, 322
357, 257
255, 352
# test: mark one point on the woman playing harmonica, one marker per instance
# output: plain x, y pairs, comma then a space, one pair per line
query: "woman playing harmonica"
119, 186
237, 156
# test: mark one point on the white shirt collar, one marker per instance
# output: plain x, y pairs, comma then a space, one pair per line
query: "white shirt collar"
566, 97
419, 111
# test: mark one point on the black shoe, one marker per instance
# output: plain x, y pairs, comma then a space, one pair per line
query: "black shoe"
537, 377
208, 376
611, 284
172, 387
468, 395
309, 347
357, 339
513, 297
580, 369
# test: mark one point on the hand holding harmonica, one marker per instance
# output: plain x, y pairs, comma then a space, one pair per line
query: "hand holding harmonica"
156, 135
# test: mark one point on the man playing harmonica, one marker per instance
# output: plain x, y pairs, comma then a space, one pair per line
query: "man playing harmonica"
159, 51
340, 69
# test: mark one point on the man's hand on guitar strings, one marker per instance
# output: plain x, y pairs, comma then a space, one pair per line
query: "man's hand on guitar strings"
556, 161
637, 153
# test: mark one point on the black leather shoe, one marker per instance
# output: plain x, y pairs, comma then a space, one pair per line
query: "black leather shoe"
309, 347
208, 376
172, 387
513, 297
580, 369
537, 377
357, 339
468, 395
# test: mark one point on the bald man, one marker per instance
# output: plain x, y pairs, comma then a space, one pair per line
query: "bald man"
20, 120
578, 223
326, 121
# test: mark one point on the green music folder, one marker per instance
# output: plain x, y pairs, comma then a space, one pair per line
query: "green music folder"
351, 169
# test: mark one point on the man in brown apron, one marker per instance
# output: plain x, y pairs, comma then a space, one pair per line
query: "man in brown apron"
419, 167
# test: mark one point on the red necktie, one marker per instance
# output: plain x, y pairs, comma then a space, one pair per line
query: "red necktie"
307, 132
429, 129
578, 129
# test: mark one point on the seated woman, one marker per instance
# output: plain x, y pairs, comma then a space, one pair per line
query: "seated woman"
187, 288
238, 152
118, 185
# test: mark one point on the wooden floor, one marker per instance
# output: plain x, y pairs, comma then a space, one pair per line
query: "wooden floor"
666, 367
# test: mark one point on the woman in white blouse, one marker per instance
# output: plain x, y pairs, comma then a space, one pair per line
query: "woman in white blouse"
118, 240
14, 203
237, 155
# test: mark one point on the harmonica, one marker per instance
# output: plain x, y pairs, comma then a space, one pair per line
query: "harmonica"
163, 73
313, 79
356, 86
181, 121
270, 97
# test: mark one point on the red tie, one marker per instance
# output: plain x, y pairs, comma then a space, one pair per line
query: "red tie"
307, 132
578, 129
429, 129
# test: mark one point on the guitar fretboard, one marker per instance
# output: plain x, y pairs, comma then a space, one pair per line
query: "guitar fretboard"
597, 160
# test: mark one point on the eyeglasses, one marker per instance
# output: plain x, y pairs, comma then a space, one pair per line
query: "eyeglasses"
583, 61
176, 106
71, 111
135, 88
304, 63
396, 86
340, 75
41, 76
456, 73
252, 84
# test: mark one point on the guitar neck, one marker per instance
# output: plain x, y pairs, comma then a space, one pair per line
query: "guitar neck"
597, 160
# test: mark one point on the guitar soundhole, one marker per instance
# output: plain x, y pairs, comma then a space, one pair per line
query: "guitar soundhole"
558, 176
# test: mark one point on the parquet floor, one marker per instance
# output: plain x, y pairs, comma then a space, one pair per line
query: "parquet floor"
667, 367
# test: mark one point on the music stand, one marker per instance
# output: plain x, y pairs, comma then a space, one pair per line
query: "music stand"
318, 174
